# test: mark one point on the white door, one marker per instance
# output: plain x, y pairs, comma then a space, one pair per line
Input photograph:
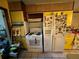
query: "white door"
60, 29
48, 28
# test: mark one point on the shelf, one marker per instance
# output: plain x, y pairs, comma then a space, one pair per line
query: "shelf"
17, 24
35, 20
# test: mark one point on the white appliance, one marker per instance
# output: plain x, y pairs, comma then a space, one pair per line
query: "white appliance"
34, 43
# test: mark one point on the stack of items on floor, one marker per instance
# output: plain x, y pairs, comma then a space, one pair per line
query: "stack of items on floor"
7, 50
14, 50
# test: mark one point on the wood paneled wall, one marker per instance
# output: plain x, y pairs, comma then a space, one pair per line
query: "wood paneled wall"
49, 7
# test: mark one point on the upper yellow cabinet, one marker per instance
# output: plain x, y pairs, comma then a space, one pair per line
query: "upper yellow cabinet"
17, 16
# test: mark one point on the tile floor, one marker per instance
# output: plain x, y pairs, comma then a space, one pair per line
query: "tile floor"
28, 55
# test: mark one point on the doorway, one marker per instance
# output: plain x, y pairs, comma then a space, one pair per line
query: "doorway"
34, 37
4, 28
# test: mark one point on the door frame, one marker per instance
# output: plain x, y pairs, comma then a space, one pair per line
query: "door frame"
41, 29
7, 19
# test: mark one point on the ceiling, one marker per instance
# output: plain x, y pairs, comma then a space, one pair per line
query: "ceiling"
42, 1
76, 2
45, 1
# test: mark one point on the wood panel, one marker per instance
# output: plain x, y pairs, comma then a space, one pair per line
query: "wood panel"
49, 7
24, 10
36, 15
4, 4
15, 6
